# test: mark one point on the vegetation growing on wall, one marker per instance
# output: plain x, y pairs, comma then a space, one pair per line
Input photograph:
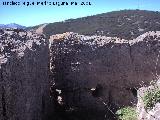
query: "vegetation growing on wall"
151, 97
127, 113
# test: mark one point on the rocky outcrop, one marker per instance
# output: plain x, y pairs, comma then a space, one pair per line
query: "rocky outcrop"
101, 73
24, 82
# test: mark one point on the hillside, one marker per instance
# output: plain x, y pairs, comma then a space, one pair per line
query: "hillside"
127, 24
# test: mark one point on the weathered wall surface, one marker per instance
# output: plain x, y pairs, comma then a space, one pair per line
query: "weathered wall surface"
94, 73
24, 83
110, 65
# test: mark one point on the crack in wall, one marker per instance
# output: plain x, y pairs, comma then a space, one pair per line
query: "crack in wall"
130, 53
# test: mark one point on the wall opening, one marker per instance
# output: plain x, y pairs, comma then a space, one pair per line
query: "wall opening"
133, 90
98, 91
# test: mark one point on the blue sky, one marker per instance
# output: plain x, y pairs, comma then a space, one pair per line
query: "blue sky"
34, 15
